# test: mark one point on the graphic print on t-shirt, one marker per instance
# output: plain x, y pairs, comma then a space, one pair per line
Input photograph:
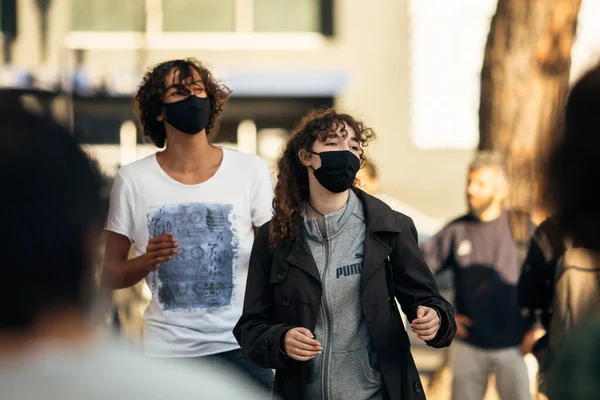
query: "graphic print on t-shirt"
201, 274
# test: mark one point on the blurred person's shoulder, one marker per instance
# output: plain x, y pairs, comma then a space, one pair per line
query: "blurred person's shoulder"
137, 168
461, 220
245, 162
181, 378
424, 223
377, 206
457, 226
111, 370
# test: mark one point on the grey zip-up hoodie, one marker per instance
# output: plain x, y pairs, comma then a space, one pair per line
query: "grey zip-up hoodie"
347, 368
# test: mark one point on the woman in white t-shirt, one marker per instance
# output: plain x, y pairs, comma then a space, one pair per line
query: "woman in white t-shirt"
190, 211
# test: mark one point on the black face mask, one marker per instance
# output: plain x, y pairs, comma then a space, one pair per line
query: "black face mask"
338, 170
189, 115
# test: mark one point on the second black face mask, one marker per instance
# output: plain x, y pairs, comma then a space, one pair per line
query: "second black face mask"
338, 170
189, 115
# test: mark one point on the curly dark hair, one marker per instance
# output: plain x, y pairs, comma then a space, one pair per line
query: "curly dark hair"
150, 94
291, 190
570, 189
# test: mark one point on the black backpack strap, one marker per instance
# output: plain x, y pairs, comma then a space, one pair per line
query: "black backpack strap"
553, 247
389, 278
519, 227
389, 275
555, 238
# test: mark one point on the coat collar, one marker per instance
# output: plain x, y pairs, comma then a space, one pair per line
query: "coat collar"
379, 218
301, 257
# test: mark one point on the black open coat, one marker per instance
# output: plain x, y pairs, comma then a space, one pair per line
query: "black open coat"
284, 291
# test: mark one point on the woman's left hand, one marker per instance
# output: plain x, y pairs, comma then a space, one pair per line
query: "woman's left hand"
427, 323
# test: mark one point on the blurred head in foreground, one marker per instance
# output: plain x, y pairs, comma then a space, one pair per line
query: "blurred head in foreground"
51, 222
573, 173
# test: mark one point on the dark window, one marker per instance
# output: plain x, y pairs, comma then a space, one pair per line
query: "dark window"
199, 15
267, 16
287, 16
8, 17
108, 15
98, 120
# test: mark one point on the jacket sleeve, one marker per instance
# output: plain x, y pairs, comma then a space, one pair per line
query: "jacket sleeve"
256, 331
414, 284
535, 287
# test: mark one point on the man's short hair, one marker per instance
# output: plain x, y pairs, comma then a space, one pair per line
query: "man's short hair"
50, 202
485, 159
489, 159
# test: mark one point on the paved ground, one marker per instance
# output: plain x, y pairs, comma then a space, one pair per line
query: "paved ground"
437, 381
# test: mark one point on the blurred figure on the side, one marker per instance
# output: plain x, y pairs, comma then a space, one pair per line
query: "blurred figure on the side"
484, 249
368, 180
561, 276
190, 211
50, 345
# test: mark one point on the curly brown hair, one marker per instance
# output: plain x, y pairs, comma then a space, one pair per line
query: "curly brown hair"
291, 190
150, 96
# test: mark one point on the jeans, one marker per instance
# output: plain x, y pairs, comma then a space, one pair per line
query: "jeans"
471, 367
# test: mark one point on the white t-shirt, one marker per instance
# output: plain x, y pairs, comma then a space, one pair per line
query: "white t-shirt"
197, 297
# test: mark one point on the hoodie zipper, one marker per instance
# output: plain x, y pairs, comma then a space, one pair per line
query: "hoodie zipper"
325, 387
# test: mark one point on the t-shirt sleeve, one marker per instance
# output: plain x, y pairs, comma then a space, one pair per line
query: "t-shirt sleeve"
262, 195
437, 250
120, 210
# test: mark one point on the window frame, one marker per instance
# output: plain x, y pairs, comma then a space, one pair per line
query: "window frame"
243, 38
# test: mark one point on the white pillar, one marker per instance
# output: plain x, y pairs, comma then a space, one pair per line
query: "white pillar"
246, 136
128, 142
270, 143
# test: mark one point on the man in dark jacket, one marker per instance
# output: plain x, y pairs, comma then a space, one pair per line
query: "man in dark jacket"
485, 260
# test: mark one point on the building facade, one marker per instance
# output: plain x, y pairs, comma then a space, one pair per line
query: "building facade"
281, 58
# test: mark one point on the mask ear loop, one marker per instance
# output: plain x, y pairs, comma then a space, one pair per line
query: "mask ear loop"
311, 167
309, 203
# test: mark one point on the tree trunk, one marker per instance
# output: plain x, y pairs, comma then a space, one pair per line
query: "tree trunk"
524, 80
